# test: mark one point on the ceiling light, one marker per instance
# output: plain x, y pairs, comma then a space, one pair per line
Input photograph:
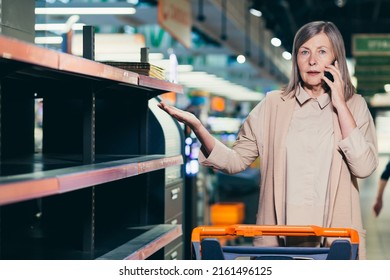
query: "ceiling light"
185, 68
48, 40
241, 59
340, 3
56, 26
85, 11
70, 24
276, 42
218, 86
255, 12
286, 55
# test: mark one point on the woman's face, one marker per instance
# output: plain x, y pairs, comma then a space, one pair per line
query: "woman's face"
312, 57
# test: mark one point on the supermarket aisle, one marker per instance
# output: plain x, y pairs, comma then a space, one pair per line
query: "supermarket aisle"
378, 229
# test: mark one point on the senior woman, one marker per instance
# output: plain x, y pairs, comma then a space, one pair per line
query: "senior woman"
315, 138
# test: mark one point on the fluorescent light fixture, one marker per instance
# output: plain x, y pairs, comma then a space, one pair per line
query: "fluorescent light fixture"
56, 26
49, 40
185, 68
218, 86
86, 11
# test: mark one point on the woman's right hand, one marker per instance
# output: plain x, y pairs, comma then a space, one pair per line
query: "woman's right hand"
204, 136
182, 116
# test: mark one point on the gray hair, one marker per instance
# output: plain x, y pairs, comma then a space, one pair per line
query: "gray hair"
305, 33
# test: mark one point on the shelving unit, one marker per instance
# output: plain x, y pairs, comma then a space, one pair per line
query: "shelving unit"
110, 167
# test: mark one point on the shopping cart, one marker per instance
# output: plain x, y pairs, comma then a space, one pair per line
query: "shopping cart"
206, 246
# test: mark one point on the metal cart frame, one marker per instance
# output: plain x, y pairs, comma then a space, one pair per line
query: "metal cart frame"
206, 246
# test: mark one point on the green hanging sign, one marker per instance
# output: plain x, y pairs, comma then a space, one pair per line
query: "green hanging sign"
371, 44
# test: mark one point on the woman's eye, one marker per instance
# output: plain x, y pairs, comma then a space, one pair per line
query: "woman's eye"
322, 52
304, 52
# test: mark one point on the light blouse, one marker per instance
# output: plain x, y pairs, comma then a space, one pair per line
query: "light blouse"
309, 145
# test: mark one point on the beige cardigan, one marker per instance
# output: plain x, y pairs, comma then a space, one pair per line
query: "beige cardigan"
264, 134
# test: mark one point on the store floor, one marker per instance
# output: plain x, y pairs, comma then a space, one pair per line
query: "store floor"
378, 229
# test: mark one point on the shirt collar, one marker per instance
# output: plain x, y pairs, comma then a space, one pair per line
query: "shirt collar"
302, 97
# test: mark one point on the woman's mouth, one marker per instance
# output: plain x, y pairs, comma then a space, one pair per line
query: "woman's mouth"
313, 73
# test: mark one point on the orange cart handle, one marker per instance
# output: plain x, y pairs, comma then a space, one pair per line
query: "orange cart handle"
247, 230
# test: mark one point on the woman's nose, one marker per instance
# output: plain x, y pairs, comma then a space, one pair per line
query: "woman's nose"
312, 60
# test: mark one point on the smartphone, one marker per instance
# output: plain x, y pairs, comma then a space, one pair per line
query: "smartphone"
328, 75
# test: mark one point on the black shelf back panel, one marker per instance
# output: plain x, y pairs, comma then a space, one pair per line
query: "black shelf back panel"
62, 125
120, 124
17, 119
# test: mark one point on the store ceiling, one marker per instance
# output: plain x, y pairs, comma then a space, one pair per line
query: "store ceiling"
281, 18
284, 17
264, 66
